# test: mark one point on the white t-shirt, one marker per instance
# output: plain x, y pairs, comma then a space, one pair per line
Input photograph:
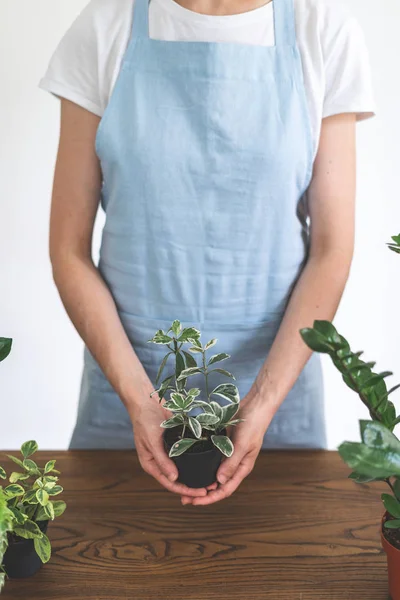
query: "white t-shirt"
335, 59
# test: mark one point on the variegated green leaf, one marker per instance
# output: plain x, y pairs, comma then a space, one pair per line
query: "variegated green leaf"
229, 411
14, 477
173, 422
43, 548
223, 443
181, 446
3, 474
161, 337
196, 349
16, 460
234, 422
57, 489
41, 514
49, 510
31, 466
223, 372
218, 358
49, 485
49, 466
30, 497
194, 392
13, 491
195, 426
59, 507
176, 327
188, 372
228, 391
28, 531
189, 333
29, 448
210, 344
217, 409
42, 496
19, 516
207, 420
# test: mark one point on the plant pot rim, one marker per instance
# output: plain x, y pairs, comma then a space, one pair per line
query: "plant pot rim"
385, 542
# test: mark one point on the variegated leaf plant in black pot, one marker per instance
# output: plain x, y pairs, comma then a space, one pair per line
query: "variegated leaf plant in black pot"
198, 442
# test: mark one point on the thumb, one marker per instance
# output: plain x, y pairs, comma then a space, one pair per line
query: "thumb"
229, 466
165, 464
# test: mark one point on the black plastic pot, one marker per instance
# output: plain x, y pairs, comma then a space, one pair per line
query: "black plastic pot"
20, 559
197, 466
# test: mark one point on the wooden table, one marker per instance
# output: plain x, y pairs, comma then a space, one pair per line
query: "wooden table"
297, 529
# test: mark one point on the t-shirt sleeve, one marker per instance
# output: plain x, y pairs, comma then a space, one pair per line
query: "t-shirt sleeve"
73, 69
348, 78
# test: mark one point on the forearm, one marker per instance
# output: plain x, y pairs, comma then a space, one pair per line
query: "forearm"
316, 296
92, 310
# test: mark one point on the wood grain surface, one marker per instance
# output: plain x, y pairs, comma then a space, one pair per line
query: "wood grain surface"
297, 529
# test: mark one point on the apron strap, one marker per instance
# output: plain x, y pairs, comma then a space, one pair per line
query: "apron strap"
140, 24
285, 23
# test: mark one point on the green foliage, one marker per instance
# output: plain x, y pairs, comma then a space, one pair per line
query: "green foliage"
27, 500
377, 456
182, 401
5, 347
357, 374
6, 523
394, 245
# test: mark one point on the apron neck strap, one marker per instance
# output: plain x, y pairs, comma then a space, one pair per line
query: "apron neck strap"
284, 18
285, 23
140, 25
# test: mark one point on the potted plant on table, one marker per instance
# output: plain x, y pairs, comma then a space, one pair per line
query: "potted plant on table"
196, 443
377, 456
26, 507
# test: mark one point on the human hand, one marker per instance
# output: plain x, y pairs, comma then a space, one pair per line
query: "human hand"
247, 438
146, 419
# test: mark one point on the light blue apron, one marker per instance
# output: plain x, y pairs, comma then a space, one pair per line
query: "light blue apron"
206, 154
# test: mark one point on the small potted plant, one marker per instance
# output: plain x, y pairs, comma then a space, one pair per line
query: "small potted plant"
26, 507
377, 456
29, 499
196, 442
5, 527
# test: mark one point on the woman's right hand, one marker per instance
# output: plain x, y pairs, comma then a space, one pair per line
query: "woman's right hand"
146, 419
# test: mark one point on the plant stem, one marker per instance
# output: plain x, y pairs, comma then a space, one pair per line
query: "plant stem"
375, 416
205, 374
390, 485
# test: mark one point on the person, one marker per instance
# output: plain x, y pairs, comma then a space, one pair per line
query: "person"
220, 140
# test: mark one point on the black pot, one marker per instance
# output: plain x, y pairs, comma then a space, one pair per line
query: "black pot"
20, 559
198, 466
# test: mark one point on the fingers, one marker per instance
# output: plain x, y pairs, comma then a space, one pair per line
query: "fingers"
230, 465
227, 489
152, 468
188, 499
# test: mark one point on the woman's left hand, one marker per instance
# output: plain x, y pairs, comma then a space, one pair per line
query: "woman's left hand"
247, 438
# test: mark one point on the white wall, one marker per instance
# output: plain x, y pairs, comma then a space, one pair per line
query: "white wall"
40, 380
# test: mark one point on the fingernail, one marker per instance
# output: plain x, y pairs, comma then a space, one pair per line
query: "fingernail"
222, 478
172, 477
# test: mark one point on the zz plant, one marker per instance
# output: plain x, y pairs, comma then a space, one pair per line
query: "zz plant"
29, 498
377, 456
213, 418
